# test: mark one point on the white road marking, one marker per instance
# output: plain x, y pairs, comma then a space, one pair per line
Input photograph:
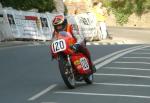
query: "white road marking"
98, 66
145, 49
121, 62
122, 68
140, 53
119, 84
136, 57
112, 54
115, 56
42, 92
122, 75
100, 94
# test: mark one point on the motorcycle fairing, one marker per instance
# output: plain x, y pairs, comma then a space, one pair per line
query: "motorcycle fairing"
81, 63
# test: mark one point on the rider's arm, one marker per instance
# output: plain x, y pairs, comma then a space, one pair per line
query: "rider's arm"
79, 37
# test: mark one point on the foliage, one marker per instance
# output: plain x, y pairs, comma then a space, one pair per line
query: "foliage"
147, 5
41, 5
124, 8
139, 7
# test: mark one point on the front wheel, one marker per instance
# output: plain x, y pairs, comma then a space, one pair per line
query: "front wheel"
66, 73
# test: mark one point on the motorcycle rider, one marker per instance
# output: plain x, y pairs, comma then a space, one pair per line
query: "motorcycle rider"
60, 23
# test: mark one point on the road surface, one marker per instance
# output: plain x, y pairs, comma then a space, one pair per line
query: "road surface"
27, 75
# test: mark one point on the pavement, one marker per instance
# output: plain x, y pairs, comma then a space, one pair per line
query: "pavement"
130, 35
119, 36
114, 41
125, 35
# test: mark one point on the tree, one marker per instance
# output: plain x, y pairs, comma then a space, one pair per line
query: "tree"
124, 8
41, 5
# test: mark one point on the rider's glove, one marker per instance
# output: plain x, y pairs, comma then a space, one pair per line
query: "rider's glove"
75, 47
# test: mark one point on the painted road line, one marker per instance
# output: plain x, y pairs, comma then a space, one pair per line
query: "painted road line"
98, 66
122, 75
145, 50
100, 94
121, 62
136, 57
120, 84
115, 53
42, 92
123, 68
140, 53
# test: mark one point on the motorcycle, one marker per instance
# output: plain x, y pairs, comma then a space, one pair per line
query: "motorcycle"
74, 66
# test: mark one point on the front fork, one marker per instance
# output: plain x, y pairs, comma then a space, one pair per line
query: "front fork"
69, 61
69, 64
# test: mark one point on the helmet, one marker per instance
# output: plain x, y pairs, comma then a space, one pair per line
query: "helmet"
59, 23
59, 19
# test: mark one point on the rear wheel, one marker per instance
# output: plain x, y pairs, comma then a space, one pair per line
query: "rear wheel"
67, 73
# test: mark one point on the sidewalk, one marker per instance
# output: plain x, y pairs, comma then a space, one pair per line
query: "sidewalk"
126, 35
116, 41
131, 35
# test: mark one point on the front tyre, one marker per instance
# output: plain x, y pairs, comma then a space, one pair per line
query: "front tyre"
66, 73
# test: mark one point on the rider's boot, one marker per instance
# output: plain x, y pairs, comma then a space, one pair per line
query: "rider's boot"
93, 68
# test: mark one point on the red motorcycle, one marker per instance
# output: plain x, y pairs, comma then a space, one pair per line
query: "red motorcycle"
74, 66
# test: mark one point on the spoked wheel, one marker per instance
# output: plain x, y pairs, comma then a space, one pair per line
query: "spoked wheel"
67, 73
89, 78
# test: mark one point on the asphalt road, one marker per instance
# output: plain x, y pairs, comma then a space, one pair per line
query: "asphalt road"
27, 75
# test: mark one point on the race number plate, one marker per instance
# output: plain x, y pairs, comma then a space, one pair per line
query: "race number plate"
84, 63
58, 46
